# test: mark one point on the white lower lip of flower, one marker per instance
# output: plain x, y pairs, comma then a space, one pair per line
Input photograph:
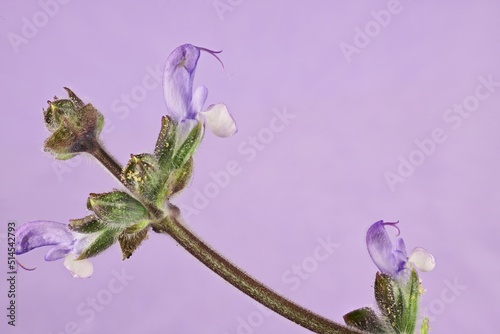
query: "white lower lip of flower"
78, 268
422, 259
219, 120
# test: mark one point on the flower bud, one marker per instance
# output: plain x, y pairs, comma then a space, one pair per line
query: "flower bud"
75, 126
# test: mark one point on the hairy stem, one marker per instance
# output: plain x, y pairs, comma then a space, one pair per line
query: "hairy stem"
107, 161
245, 283
222, 267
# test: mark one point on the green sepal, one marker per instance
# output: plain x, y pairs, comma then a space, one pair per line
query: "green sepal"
173, 156
60, 109
424, 329
75, 99
129, 241
180, 177
117, 209
165, 144
364, 319
89, 224
398, 299
189, 146
137, 227
142, 176
177, 180
60, 144
74, 111
75, 135
101, 243
387, 300
75, 126
411, 296
57, 111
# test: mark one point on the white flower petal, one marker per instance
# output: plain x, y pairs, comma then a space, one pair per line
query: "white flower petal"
422, 259
220, 121
78, 268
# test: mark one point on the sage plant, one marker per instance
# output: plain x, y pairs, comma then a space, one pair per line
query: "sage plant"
151, 180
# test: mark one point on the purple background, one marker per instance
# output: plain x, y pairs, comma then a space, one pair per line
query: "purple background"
322, 176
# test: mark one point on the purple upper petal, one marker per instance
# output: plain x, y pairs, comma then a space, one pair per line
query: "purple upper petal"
388, 259
178, 81
40, 233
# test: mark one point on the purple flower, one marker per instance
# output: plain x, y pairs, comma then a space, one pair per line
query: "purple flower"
390, 259
183, 105
65, 244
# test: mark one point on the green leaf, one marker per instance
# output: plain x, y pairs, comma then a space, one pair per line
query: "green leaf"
364, 319
89, 224
188, 147
142, 176
101, 243
117, 207
165, 144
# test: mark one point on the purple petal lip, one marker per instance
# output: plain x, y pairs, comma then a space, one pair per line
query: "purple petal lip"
41, 233
388, 258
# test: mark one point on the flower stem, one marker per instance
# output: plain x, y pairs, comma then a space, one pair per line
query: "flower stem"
222, 267
245, 283
106, 160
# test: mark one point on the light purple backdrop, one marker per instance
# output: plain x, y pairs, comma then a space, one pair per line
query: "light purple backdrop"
366, 85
